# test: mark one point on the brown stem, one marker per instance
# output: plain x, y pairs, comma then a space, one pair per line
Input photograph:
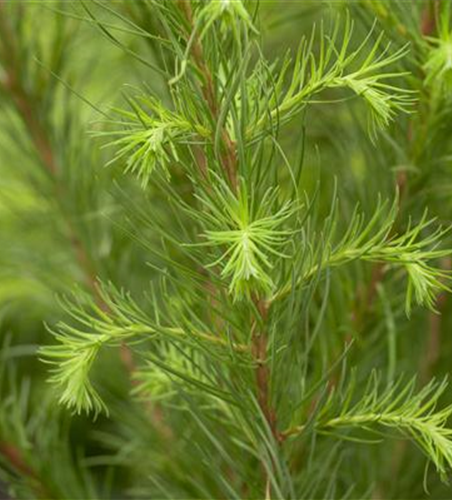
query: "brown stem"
38, 137
208, 88
428, 21
366, 299
229, 160
431, 356
259, 351
229, 157
17, 461
30, 118
259, 345
19, 96
15, 458
432, 353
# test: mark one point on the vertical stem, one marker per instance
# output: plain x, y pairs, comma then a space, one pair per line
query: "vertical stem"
428, 17
259, 337
259, 351
23, 102
229, 158
11, 83
431, 355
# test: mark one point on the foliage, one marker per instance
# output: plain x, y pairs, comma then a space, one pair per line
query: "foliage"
225, 273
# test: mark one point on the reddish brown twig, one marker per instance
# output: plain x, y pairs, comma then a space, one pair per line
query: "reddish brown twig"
17, 461
429, 359
428, 19
229, 158
259, 351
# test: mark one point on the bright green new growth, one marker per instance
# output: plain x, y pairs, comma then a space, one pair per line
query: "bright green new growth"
150, 138
397, 407
154, 131
246, 266
375, 241
118, 319
363, 70
228, 11
251, 236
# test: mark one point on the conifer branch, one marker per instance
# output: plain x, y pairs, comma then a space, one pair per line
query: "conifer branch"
397, 407
241, 262
79, 345
377, 244
427, 27
229, 159
333, 68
